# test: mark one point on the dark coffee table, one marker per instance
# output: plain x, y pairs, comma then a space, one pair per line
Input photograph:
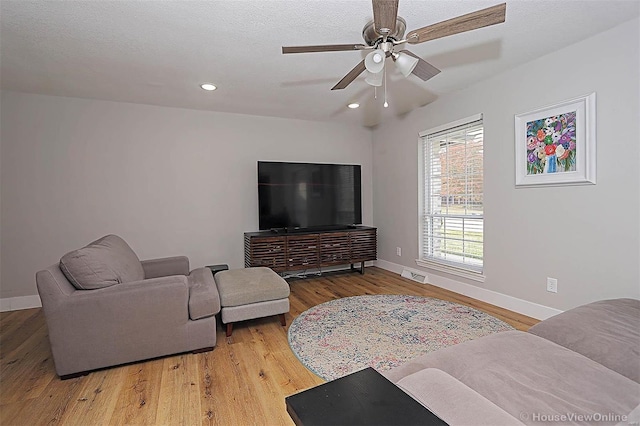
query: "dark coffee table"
362, 398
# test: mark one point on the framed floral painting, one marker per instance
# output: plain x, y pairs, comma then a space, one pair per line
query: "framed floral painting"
556, 145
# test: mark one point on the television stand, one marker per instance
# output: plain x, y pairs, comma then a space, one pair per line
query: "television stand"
361, 268
296, 230
310, 249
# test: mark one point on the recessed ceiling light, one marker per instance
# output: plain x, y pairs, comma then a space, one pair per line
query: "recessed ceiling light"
353, 105
208, 86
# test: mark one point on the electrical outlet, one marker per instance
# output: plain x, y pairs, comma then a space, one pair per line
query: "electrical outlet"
552, 285
398, 251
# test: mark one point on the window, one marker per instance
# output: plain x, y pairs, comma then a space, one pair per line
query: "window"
451, 185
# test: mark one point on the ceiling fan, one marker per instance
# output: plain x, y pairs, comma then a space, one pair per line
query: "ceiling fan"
386, 31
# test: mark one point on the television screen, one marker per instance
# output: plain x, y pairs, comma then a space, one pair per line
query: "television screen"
305, 195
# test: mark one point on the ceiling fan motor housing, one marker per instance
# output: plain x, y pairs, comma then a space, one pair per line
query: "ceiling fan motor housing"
372, 37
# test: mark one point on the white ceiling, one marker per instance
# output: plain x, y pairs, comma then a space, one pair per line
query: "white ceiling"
158, 52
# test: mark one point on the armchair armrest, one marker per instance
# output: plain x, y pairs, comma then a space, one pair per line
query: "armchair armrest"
176, 265
204, 300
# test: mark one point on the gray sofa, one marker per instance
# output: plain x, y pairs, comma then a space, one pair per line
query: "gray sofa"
579, 367
104, 307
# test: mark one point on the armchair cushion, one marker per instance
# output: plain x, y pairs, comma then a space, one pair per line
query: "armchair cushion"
102, 263
203, 294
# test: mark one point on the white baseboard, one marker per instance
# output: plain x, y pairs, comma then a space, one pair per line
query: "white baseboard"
521, 306
17, 303
514, 304
28, 302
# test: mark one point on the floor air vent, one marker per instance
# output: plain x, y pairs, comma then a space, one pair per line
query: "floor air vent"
415, 275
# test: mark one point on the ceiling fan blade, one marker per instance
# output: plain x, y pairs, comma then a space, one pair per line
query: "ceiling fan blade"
322, 48
471, 21
385, 13
424, 69
351, 75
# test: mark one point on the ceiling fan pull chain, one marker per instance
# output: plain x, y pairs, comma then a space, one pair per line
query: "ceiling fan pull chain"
385, 104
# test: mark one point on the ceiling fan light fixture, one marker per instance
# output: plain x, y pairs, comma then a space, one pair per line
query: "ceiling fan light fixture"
405, 63
374, 61
374, 79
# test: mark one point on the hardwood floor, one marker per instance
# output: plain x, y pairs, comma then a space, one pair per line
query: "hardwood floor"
243, 381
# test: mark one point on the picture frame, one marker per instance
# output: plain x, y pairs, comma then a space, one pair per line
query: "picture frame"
556, 145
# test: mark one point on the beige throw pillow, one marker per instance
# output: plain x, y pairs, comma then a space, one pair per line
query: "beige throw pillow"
102, 263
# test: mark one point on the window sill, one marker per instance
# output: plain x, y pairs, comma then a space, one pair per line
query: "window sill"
453, 270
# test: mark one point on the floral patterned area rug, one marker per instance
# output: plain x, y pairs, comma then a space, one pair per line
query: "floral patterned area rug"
345, 335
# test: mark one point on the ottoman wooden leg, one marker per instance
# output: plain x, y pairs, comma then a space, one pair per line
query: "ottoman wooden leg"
283, 321
229, 329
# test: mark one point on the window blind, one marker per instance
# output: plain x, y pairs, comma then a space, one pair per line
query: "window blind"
452, 221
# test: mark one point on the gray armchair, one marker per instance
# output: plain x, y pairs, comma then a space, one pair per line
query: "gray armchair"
104, 307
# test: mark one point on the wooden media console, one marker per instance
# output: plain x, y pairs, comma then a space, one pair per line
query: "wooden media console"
297, 251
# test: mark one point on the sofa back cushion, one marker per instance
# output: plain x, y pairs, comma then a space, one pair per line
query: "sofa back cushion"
102, 263
606, 331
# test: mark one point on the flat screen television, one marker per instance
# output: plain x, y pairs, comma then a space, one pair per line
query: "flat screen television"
294, 196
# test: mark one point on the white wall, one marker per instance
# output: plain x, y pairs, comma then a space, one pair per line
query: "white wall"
169, 181
587, 237
175, 181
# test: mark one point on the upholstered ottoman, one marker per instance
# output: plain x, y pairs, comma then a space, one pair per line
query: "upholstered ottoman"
251, 293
